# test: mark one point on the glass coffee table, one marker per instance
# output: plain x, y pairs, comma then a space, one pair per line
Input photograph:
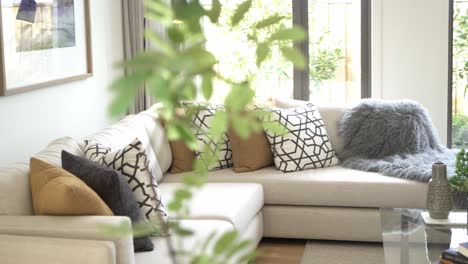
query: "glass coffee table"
407, 239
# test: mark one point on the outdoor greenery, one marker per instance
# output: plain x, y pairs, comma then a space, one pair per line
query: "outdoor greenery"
182, 68
460, 48
459, 130
324, 60
459, 182
460, 77
237, 52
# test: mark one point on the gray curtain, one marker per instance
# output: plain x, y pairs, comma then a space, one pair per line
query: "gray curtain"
134, 25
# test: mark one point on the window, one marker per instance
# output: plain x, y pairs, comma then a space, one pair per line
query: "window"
334, 73
458, 88
335, 51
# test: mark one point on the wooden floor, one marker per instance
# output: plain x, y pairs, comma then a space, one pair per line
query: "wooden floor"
280, 251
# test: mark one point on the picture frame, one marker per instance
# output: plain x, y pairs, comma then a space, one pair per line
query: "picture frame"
60, 53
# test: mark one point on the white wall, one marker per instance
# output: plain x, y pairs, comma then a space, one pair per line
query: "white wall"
410, 54
29, 121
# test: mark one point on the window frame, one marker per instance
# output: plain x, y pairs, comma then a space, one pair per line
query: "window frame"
450, 75
301, 77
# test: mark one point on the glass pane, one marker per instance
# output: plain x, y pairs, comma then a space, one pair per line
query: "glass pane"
237, 56
460, 70
406, 239
335, 51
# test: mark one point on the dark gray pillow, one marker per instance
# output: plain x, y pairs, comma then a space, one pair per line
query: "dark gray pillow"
113, 189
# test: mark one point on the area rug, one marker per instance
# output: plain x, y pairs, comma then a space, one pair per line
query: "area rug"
326, 252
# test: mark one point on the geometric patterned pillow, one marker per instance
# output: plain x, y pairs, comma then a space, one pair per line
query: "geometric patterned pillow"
201, 121
305, 145
133, 163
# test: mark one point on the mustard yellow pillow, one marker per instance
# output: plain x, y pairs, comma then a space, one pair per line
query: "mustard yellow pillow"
58, 192
252, 153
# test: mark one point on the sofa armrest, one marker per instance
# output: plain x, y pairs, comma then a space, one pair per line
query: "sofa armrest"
46, 250
72, 227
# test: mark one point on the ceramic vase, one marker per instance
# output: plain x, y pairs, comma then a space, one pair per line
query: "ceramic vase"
439, 201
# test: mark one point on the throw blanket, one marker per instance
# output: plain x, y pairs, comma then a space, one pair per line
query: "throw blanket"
395, 138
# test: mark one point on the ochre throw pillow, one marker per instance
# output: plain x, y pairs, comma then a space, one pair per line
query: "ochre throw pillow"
252, 153
182, 157
58, 192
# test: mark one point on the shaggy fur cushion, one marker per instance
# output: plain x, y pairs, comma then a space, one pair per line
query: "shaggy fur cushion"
395, 138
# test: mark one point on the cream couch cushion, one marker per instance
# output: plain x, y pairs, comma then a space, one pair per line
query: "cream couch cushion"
202, 229
236, 203
30, 249
72, 227
333, 186
15, 194
157, 137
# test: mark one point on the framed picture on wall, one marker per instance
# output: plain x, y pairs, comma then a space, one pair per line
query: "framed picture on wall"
43, 43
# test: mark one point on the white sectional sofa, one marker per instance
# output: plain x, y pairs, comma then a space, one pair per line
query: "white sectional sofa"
332, 203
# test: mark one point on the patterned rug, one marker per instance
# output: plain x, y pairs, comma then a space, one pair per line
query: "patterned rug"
326, 252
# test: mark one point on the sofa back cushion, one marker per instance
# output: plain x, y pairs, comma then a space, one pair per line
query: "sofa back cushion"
330, 116
15, 194
118, 135
157, 137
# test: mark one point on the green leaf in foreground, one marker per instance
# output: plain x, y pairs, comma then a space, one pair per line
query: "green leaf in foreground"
158, 42
239, 97
294, 34
193, 60
241, 126
295, 56
225, 241
239, 247
262, 53
207, 85
219, 124
215, 11
240, 12
271, 20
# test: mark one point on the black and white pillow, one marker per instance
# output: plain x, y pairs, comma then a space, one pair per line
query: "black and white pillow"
132, 162
202, 118
305, 145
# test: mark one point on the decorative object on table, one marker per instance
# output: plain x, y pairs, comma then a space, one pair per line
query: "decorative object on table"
43, 43
463, 249
459, 182
395, 138
455, 219
453, 256
439, 201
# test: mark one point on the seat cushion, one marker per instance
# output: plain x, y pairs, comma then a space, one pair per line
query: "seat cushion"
236, 203
201, 228
333, 186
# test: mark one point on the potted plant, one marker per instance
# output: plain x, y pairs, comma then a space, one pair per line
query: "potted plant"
459, 182
324, 60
